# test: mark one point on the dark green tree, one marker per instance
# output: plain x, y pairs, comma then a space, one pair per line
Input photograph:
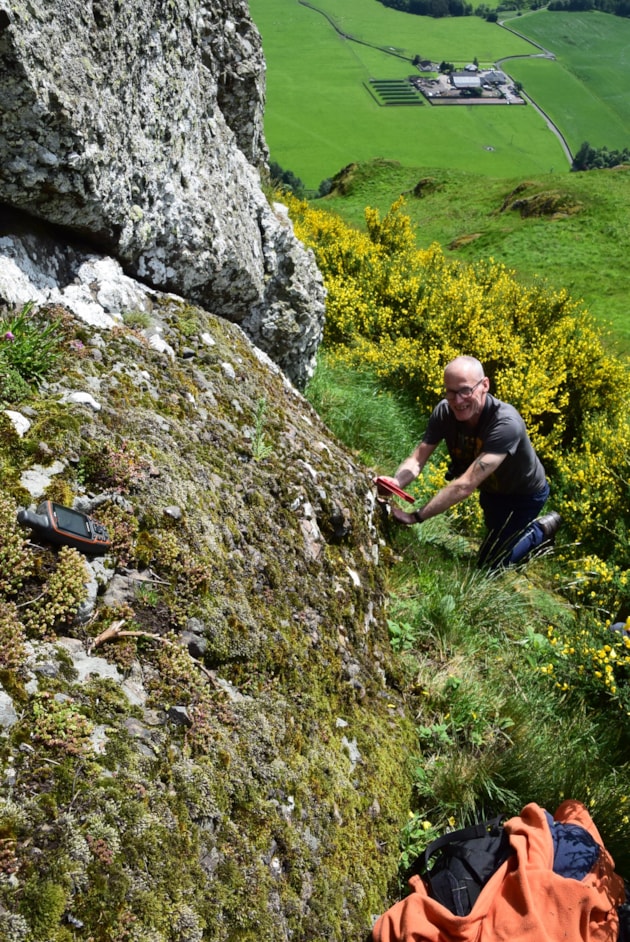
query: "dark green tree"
286, 179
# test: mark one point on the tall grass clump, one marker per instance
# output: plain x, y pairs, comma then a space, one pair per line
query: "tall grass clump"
496, 727
30, 347
357, 408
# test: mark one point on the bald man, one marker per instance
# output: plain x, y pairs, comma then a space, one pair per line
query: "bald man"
490, 452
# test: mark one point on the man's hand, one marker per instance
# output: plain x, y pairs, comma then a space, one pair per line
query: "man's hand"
401, 516
383, 491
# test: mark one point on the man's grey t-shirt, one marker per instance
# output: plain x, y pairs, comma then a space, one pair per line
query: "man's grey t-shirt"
500, 431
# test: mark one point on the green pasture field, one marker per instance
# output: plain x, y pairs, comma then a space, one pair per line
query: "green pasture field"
586, 90
320, 116
456, 39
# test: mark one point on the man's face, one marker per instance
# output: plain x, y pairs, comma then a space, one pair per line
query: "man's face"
466, 392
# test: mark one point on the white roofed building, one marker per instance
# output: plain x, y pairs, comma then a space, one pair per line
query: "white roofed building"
465, 80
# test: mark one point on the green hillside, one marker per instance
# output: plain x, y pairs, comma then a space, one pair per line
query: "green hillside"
570, 230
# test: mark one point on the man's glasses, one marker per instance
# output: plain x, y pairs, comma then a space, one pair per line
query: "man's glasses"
465, 392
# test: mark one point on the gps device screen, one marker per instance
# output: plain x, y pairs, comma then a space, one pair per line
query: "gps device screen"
71, 521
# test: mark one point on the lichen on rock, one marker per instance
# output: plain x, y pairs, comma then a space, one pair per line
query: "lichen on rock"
203, 735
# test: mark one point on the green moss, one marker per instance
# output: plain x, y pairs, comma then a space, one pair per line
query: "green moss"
11, 445
61, 491
42, 904
57, 424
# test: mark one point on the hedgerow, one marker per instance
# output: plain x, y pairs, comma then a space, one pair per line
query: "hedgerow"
404, 312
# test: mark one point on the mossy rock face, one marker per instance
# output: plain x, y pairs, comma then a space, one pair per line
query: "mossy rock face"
526, 200
425, 186
255, 784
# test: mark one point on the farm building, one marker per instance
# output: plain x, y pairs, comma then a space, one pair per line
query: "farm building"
463, 80
495, 77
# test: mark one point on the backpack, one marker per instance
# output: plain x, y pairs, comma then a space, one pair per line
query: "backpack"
456, 866
556, 882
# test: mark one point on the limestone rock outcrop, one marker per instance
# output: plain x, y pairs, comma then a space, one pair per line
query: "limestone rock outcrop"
137, 127
203, 736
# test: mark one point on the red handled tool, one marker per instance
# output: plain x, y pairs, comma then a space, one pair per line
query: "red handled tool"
394, 489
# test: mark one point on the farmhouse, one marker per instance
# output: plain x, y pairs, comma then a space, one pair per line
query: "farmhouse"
495, 77
467, 86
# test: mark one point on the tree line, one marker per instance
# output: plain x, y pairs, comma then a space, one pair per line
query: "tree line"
617, 7
288, 182
599, 158
435, 8
440, 8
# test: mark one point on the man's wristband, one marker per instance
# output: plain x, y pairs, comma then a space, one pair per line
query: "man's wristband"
417, 516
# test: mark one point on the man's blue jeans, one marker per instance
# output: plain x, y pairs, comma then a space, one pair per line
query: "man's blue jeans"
512, 529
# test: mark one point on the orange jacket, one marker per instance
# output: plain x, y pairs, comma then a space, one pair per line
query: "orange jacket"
524, 901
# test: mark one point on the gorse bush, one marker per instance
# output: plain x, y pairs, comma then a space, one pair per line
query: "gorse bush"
403, 313
592, 660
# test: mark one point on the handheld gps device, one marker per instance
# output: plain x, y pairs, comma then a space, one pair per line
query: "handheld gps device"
63, 526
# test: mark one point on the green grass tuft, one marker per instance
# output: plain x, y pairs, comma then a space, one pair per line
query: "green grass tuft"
381, 427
